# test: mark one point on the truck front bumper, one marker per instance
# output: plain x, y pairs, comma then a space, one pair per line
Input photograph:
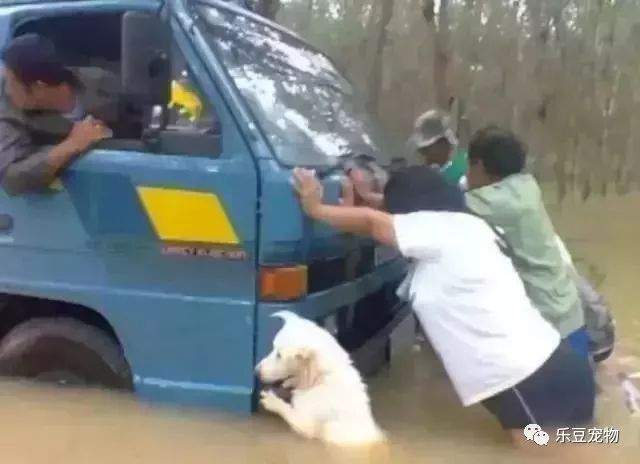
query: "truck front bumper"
371, 349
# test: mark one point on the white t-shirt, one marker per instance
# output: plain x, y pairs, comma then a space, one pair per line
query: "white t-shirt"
471, 303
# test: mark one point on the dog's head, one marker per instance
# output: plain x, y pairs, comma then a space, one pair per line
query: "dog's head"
302, 353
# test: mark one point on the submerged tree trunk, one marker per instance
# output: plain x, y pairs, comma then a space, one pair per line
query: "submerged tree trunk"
442, 58
538, 104
440, 34
378, 59
565, 135
589, 175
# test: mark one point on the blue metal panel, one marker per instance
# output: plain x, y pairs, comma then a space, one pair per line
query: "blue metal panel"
190, 326
294, 238
187, 323
183, 349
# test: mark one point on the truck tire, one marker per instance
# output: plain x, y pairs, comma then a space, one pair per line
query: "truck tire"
64, 351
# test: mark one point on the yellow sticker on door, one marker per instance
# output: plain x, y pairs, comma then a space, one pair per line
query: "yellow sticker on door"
187, 216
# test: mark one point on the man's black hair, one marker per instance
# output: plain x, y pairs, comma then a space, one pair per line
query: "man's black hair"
33, 58
421, 188
500, 151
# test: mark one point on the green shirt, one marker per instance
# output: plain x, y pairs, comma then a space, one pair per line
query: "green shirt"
515, 205
456, 169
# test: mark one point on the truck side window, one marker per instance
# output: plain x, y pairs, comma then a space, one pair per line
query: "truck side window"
188, 108
97, 60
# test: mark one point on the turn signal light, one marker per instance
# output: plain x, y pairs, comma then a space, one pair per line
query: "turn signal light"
283, 283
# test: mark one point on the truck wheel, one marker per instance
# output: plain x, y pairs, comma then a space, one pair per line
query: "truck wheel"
64, 351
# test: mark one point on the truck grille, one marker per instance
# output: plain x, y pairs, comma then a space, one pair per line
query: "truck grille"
354, 325
327, 273
359, 323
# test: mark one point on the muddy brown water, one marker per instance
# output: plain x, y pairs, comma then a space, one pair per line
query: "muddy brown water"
412, 400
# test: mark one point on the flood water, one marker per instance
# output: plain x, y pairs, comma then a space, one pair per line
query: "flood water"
412, 400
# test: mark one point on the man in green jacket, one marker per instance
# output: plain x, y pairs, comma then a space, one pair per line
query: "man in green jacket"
511, 201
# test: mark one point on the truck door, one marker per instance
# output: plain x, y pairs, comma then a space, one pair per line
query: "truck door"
156, 231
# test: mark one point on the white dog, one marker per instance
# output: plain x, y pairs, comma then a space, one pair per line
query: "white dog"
329, 400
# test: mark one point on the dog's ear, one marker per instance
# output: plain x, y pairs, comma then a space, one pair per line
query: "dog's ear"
303, 354
299, 354
308, 372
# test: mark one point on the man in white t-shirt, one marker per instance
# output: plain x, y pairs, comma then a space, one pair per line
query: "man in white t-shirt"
496, 348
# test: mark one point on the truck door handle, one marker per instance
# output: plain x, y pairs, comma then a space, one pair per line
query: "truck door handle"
6, 223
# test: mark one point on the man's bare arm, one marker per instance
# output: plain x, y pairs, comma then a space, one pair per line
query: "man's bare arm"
29, 169
363, 221
37, 170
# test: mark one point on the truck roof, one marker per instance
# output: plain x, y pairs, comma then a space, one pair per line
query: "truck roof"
21, 2
26, 2
226, 4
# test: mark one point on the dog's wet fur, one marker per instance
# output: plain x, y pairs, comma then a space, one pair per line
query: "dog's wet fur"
312, 384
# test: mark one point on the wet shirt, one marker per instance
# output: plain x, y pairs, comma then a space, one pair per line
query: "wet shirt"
515, 206
471, 303
455, 171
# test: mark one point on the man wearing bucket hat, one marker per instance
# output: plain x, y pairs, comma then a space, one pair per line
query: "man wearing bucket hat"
436, 144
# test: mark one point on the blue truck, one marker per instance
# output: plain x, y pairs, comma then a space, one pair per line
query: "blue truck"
155, 261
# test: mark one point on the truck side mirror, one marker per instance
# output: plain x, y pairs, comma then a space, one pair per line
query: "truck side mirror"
146, 67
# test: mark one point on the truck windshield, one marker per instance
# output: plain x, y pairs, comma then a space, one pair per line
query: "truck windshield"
309, 112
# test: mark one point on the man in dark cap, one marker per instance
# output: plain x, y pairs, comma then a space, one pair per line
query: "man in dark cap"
46, 115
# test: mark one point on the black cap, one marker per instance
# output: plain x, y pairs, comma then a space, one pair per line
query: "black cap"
33, 58
421, 188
